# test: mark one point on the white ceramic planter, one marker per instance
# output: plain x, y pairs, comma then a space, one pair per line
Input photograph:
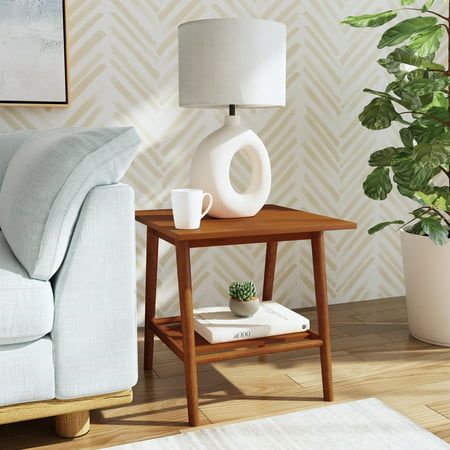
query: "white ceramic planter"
427, 271
244, 309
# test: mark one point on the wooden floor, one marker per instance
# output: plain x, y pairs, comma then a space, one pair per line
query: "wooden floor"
373, 356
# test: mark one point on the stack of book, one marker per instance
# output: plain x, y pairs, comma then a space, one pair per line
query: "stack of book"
219, 324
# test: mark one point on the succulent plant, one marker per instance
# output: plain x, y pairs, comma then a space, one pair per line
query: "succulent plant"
242, 290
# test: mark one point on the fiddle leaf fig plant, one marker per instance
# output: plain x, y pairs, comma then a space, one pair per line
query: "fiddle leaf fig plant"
417, 98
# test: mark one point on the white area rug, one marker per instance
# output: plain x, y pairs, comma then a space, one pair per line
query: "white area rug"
361, 425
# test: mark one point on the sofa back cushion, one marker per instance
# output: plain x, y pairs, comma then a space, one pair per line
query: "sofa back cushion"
46, 183
9, 144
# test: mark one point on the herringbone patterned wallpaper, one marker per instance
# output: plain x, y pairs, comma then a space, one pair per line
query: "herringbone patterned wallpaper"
124, 71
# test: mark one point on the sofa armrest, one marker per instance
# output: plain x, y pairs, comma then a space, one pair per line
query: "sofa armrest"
94, 331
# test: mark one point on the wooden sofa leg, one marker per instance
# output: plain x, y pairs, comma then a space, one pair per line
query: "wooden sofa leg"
72, 425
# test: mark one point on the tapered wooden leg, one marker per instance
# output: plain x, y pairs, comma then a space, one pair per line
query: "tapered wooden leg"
320, 284
187, 321
72, 425
269, 270
150, 296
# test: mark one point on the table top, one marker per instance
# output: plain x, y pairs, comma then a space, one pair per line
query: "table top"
272, 223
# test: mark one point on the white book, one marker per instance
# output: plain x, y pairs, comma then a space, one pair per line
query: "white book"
219, 324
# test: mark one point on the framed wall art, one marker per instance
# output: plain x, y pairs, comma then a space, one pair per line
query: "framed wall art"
33, 53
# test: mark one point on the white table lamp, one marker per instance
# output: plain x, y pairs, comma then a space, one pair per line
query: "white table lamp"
232, 63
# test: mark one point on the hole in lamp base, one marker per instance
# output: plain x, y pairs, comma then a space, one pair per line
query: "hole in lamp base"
240, 171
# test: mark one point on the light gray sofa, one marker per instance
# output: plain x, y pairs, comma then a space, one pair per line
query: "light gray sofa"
67, 312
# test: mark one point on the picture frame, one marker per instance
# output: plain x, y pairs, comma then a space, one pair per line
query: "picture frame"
46, 86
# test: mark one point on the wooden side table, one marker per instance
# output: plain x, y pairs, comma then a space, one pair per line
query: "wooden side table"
270, 226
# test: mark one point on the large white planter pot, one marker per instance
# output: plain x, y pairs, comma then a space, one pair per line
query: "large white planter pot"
427, 272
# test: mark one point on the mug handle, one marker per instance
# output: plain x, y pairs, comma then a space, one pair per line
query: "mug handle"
207, 194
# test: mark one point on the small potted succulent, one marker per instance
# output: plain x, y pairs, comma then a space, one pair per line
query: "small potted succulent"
244, 299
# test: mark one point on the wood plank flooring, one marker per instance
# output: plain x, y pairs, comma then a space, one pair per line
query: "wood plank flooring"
373, 356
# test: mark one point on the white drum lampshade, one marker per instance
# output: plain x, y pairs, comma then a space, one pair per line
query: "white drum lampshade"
232, 63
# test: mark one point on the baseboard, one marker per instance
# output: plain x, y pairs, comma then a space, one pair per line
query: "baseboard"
49, 408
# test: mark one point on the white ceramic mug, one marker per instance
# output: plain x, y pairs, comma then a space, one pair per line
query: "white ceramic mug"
187, 207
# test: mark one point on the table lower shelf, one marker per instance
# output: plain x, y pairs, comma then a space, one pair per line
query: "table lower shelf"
168, 329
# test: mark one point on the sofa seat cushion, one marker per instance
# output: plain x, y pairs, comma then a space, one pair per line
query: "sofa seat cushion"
27, 373
46, 183
26, 305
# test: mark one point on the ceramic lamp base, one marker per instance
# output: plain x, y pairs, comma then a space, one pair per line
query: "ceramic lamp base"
210, 170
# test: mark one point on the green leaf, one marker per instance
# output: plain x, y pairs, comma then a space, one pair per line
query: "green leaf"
417, 74
427, 5
378, 184
407, 2
430, 155
404, 59
385, 95
437, 232
439, 101
425, 86
378, 114
409, 175
405, 30
383, 225
444, 139
426, 199
427, 64
370, 20
427, 42
441, 204
419, 212
415, 91
434, 117
407, 137
400, 56
407, 100
414, 102
444, 192
394, 87
416, 228
404, 190
426, 134
382, 158
432, 200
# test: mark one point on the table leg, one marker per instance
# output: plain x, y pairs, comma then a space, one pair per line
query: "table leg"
150, 296
269, 270
320, 284
187, 321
